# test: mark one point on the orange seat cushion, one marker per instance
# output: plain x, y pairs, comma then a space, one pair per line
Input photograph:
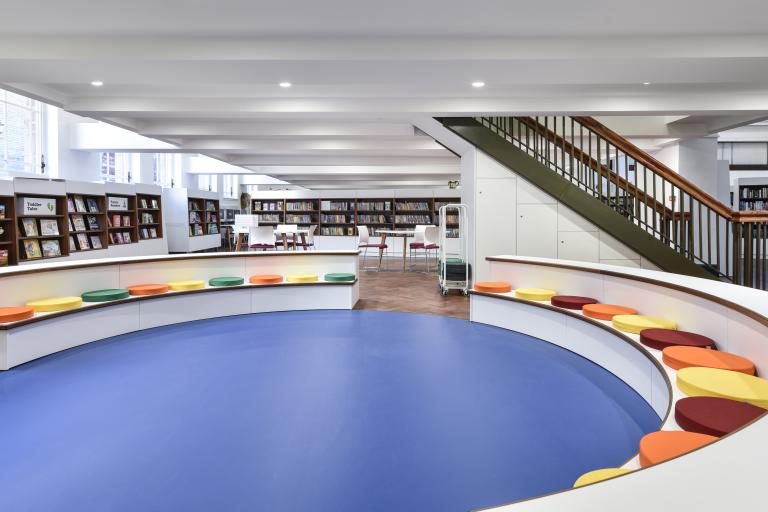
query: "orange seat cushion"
14, 314
266, 279
148, 289
493, 287
606, 311
667, 444
682, 357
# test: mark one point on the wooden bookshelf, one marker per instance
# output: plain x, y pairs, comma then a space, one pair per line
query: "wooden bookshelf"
149, 216
269, 211
337, 217
121, 233
41, 236
303, 212
452, 227
376, 213
412, 211
753, 197
86, 223
212, 217
8, 247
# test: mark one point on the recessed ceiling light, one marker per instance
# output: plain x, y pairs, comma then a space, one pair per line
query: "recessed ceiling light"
285, 85
478, 84
97, 83
646, 83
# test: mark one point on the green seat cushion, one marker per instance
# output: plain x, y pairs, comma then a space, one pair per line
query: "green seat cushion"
340, 276
226, 281
105, 295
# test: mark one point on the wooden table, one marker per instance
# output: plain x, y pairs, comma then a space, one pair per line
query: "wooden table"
404, 233
284, 237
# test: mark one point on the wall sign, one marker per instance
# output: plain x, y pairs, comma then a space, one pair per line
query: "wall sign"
38, 206
117, 203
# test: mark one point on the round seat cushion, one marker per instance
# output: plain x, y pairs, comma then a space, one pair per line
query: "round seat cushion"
16, 313
493, 287
186, 285
697, 381
663, 445
599, 475
606, 311
226, 281
105, 295
714, 416
55, 304
683, 357
534, 293
266, 279
336, 277
571, 301
636, 323
302, 278
663, 338
148, 289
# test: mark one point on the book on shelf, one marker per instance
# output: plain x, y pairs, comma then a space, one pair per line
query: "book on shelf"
298, 219
374, 219
4, 257
116, 220
51, 248
95, 242
93, 222
126, 237
78, 223
413, 219
112, 239
80, 204
72, 244
154, 204
143, 203
338, 206
71, 205
82, 241
299, 206
213, 229
333, 219
93, 205
194, 217
194, 205
49, 227
32, 249
210, 206
126, 221
2, 211
412, 206
147, 218
30, 226
337, 231
754, 191
144, 233
152, 233
374, 205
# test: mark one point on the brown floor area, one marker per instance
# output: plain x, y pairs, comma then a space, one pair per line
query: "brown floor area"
413, 292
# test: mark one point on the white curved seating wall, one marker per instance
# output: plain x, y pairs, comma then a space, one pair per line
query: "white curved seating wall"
726, 475
91, 322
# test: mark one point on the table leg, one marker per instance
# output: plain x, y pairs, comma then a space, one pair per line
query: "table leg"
405, 242
239, 242
383, 241
303, 240
285, 241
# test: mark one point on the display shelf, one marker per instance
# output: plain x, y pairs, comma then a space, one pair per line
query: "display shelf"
122, 221
41, 228
8, 250
83, 213
452, 219
212, 218
150, 216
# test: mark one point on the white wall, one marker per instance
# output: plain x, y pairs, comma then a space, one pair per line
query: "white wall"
75, 164
514, 217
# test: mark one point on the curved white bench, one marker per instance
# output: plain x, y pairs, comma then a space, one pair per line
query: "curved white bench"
725, 475
47, 333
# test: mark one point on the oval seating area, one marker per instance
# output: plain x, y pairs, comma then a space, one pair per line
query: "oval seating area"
721, 393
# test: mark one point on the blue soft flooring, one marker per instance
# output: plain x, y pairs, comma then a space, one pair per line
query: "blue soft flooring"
322, 411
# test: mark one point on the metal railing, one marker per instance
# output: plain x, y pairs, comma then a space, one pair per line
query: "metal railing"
730, 244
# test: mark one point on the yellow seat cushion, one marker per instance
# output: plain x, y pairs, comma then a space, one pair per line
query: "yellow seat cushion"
186, 285
301, 278
636, 323
698, 381
56, 304
534, 293
599, 475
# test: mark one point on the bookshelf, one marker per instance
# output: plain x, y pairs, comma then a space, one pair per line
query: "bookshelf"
204, 216
8, 252
337, 217
150, 216
452, 219
41, 227
753, 197
413, 211
122, 222
212, 217
270, 212
303, 212
375, 213
86, 223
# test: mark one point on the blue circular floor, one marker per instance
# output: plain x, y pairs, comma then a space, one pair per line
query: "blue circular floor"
324, 411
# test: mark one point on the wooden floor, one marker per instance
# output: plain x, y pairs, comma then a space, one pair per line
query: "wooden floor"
414, 292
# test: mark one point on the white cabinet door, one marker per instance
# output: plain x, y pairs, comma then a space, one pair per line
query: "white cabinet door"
495, 227
537, 230
579, 246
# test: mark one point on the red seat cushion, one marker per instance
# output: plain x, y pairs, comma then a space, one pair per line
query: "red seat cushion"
416, 245
571, 301
432, 246
714, 416
262, 246
663, 338
377, 246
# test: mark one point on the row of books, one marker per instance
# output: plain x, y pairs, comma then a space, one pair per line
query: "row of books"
147, 233
335, 219
752, 192
210, 217
336, 206
78, 204
374, 219
298, 219
213, 229
413, 219
337, 231
2, 211
121, 237
82, 242
762, 204
412, 205
119, 221
299, 206
374, 206
195, 217
83, 222
35, 249
269, 217
144, 203
148, 218
267, 206
48, 227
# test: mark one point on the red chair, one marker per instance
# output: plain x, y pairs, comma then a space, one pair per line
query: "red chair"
261, 237
363, 242
431, 239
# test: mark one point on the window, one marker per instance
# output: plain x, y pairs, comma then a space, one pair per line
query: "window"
22, 128
119, 167
208, 182
167, 170
230, 186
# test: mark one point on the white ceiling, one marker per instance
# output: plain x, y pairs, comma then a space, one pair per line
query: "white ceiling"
204, 74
